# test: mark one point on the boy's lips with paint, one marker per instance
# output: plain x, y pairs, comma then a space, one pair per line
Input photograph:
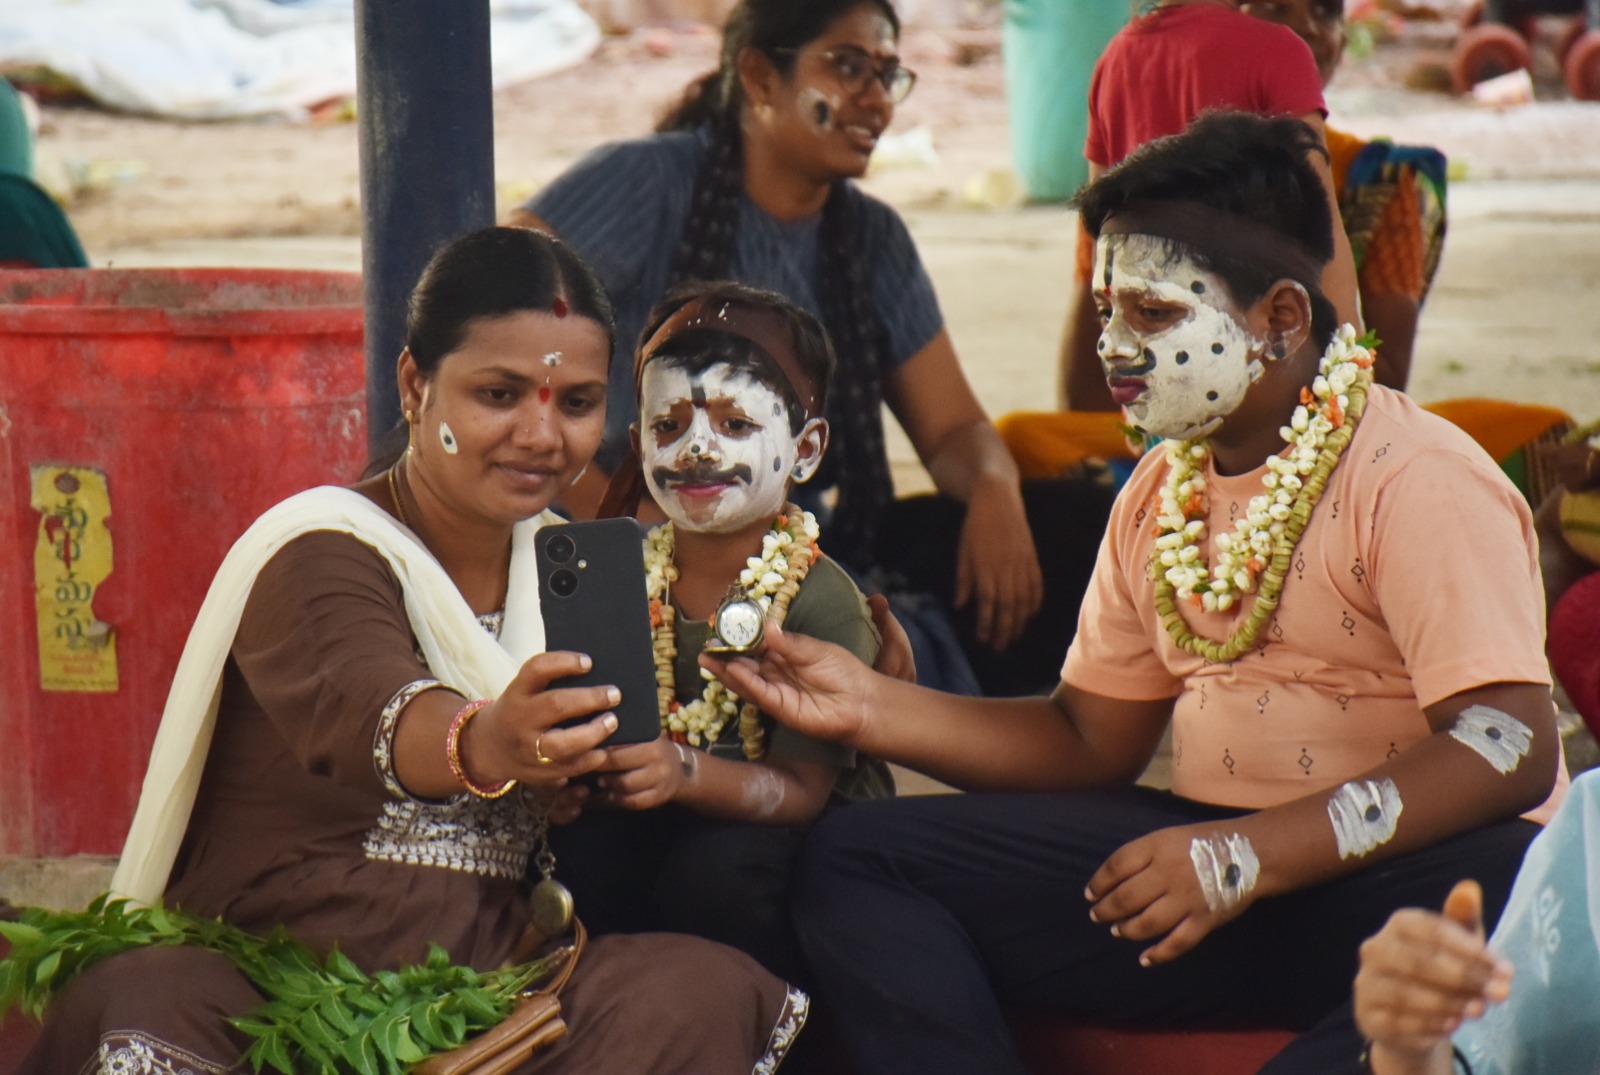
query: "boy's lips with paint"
1125, 390
701, 482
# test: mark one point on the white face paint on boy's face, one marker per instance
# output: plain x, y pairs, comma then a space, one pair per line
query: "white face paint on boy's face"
1175, 351
716, 447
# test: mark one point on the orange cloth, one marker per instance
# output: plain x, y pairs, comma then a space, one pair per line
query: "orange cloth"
1390, 262
1417, 578
1342, 151
1500, 427
1083, 263
1045, 443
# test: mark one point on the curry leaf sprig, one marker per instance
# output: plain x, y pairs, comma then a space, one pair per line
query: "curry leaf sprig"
322, 1016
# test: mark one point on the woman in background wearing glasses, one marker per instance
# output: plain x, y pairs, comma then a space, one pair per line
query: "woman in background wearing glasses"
749, 178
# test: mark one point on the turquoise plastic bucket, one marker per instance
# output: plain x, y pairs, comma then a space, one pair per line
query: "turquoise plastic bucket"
1050, 51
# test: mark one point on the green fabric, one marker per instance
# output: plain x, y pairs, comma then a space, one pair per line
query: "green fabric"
16, 143
828, 606
34, 230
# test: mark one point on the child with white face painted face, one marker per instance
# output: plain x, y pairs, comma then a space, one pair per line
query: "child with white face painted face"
717, 447
1174, 350
732, 383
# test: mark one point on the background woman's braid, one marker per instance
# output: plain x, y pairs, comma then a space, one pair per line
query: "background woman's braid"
709, 241
865, 486
705, 249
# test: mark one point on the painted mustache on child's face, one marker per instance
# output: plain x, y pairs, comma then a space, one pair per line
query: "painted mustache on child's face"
716, 446
705, 474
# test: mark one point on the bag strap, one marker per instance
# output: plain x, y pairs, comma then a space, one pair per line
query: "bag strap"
580, 937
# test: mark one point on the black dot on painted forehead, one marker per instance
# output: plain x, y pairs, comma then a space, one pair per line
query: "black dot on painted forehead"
777, 410
777, 465
1198, 288
1182, 357
1212, 396
1217, 348
1101, 346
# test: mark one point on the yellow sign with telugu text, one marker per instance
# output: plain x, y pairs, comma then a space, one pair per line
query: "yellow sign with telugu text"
77, 651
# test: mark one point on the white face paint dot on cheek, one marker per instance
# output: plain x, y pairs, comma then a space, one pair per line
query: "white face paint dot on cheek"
1497, 737
447, 437
1226, 867
1365, 815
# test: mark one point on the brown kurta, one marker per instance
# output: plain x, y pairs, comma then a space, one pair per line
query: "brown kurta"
300, 821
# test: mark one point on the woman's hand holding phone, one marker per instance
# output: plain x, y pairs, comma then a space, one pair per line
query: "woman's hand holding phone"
517, 735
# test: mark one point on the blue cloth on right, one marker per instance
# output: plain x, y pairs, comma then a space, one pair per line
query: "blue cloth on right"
1550, 1025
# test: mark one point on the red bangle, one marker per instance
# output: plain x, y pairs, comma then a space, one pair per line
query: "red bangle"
452, 753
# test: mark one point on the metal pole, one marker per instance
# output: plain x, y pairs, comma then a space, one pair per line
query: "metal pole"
426, 120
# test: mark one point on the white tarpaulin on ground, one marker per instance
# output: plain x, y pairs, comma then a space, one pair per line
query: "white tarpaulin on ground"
222, 59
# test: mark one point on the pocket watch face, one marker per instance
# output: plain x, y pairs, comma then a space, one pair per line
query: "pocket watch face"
738, 624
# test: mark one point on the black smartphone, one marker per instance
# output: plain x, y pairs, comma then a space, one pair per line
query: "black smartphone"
592, 596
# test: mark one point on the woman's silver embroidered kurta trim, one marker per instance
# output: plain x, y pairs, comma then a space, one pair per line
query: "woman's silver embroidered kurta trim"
796, 1006
489, 837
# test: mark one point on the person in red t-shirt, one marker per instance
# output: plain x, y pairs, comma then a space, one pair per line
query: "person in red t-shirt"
1160, 72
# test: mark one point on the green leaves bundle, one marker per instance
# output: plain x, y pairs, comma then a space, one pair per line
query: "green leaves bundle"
322, 1016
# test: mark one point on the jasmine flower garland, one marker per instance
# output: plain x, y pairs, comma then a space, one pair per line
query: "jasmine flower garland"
771, 580
1259, 549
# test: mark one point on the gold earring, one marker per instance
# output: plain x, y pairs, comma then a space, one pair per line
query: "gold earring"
411, 417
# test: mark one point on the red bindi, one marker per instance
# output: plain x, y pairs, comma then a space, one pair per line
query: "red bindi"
544, 393
560, 306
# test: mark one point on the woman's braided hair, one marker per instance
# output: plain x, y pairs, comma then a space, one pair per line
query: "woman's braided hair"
706, 250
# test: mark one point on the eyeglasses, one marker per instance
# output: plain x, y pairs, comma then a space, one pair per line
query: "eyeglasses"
855, 69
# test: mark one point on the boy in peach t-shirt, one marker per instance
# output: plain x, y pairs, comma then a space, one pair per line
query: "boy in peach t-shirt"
1331, 597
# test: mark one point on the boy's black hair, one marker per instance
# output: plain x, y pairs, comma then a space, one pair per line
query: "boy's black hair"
698, 349
1240, 163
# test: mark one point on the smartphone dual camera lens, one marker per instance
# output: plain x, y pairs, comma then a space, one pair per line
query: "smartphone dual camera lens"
560, 549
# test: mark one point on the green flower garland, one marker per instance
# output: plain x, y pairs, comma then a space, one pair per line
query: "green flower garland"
1317, 439
322, 1016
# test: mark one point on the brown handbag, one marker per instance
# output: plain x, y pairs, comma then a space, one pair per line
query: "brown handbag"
534, 1024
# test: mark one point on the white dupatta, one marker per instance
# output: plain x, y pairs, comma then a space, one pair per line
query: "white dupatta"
457, 649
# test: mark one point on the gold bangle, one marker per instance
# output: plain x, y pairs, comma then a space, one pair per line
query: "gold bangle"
452, 753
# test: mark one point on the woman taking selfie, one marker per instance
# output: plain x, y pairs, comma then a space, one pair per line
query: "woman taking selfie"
361, 742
